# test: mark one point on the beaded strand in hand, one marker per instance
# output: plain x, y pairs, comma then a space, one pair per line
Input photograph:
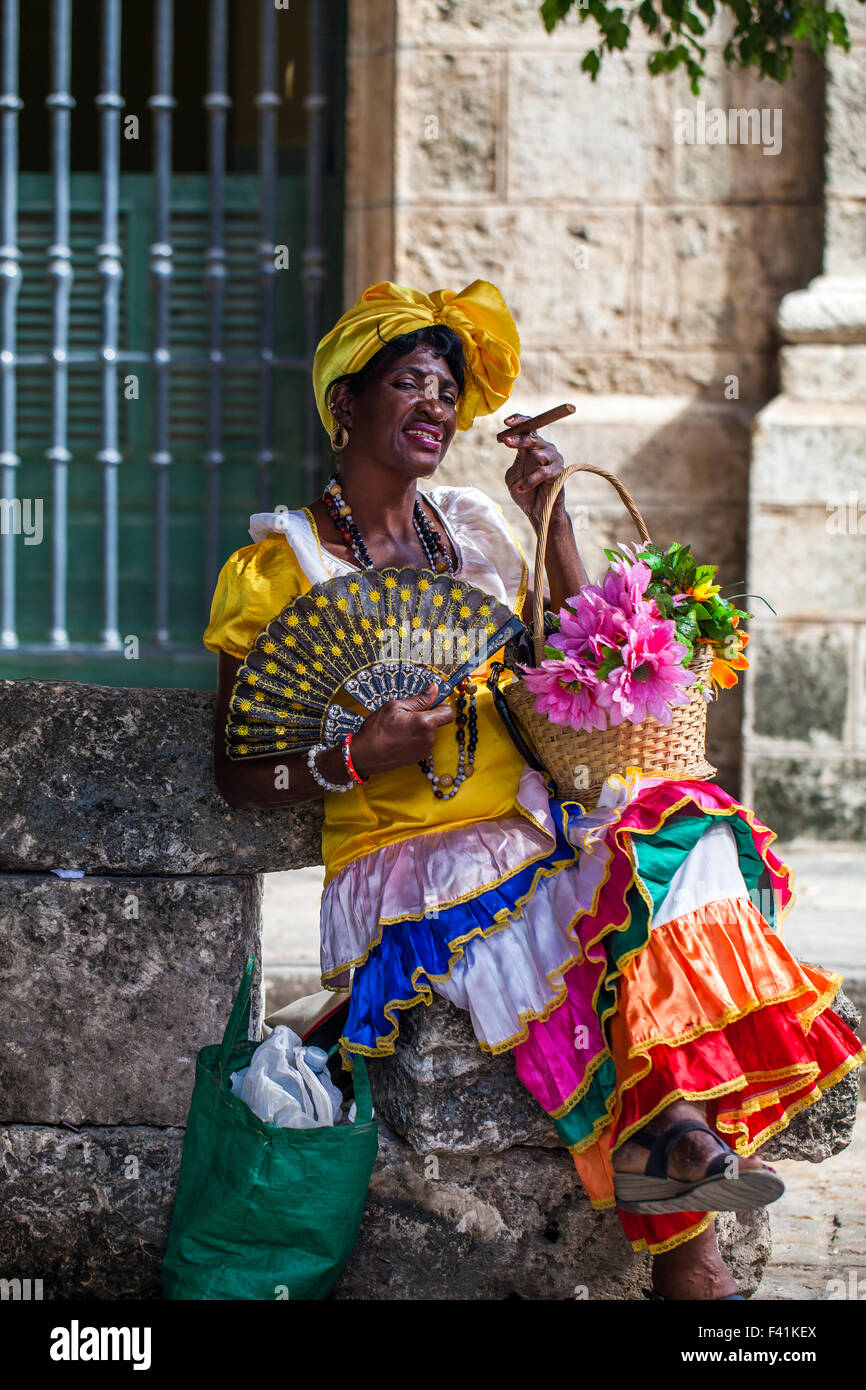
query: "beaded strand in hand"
438, 558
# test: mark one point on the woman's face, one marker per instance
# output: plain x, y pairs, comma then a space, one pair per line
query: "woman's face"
406, 416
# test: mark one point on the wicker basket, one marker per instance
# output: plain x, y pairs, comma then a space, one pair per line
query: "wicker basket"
580, 762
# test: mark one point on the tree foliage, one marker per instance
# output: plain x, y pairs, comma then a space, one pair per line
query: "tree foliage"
765, 32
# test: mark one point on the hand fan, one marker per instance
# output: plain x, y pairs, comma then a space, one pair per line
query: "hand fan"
340, 651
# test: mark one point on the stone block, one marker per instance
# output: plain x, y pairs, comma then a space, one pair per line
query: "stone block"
800, 682
804, 568
442, 1094
87, 1213
822, 372
447, 124
620, 122
845, 237
737, 169
859, 691
832, 309
812, 452
480, 24
517, 1226
707, 375
111, 986
855, 21
106, 779
809, 797
585, 298
846, 129
714, 275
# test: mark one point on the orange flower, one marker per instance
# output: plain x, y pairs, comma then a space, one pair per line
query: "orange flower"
723, 670
702, 591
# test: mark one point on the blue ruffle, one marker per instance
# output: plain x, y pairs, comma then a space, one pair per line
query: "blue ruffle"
396, 972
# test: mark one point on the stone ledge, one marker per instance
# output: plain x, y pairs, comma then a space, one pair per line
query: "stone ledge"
830, 309
115, 780
104, 1012
88, 1213
517, 1226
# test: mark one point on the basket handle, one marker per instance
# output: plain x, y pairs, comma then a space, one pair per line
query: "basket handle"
541, 546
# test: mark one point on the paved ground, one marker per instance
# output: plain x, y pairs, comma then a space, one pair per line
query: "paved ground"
819, 1226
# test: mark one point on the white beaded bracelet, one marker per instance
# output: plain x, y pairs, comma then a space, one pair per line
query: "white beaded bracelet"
322, 781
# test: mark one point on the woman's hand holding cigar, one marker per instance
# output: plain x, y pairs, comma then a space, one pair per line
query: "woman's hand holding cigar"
536, 463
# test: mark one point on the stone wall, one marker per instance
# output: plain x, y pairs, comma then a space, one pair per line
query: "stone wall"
112, 982
644, 275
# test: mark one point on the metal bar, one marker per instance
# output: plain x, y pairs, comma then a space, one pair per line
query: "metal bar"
92, 649
110, 268
60, 103
216, 103
161, 104
313, 262
240, 361
10, 271
268, 102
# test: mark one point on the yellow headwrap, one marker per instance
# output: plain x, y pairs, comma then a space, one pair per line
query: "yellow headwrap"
478, 315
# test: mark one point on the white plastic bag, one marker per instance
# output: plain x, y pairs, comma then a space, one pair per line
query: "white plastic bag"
282, 1088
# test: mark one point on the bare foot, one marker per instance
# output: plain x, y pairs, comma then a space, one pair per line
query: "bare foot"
694, 1270
691, 1153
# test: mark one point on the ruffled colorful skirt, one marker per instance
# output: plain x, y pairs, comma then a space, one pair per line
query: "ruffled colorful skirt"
627, 957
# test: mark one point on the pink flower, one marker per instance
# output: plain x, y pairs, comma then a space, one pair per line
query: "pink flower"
651, 679
566, 691
623, 585
593, 626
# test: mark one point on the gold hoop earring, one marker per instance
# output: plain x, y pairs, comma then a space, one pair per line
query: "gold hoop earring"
343, 433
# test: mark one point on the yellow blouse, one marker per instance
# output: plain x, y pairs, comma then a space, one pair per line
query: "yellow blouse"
287, 559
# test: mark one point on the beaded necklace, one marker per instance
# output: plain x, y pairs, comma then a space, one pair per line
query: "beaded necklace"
466, 723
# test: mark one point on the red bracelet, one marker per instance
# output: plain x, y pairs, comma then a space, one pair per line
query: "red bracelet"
347, 759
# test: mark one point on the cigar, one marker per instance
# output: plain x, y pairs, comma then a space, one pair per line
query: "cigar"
546, 418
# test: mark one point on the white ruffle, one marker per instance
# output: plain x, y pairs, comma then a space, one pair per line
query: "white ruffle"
488, 552
414, 877
502, 980
514, 975
710, 873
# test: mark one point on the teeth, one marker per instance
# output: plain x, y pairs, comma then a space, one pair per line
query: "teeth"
422, 434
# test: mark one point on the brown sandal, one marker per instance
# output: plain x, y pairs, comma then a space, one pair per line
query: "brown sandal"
722, 1188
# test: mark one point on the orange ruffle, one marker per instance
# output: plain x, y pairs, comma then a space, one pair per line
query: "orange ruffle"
703, 970
715, 1009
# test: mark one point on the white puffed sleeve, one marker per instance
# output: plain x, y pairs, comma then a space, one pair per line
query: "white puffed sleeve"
492, 557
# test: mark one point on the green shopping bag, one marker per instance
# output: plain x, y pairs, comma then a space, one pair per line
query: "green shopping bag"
263, 1212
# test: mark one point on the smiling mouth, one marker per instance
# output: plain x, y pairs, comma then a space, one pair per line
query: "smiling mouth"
429, 438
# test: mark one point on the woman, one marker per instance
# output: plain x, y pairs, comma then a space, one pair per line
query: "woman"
650, 1007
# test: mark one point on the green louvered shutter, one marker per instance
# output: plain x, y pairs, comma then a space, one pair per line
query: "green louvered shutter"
189, 593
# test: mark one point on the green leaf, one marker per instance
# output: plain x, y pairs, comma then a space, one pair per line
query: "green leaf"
553, 653
608, 663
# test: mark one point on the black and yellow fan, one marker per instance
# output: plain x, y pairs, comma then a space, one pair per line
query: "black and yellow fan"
340, 651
